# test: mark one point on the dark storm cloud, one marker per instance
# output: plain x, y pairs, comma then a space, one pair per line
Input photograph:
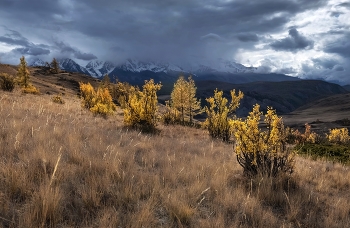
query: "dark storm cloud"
32, 51
294, 42
84, 56
340, 46
248, 37
69, 51
345, 4
14, 38
326, 63
154, 28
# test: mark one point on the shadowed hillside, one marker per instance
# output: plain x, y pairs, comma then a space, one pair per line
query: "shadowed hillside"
284, 96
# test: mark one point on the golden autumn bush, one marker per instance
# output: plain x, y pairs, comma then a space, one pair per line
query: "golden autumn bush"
120, 92
262, 152
99, 102
142, 107
339, 136
218, 113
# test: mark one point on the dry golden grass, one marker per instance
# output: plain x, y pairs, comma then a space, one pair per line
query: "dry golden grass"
62, 167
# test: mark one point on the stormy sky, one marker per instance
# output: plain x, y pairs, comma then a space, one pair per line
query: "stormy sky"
304, 38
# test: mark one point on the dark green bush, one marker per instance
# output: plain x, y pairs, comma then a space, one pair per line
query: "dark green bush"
7, 82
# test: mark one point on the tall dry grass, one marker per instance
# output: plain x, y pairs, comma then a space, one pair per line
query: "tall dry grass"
62, 167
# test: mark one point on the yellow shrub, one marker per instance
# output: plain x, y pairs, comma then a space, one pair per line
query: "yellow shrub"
103, 103
30, 89
58, 99
218, 114
261, 151
171, 115
338, 135
99, 102
141, 108
87, 94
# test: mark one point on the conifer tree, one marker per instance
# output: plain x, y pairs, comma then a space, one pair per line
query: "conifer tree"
179, 97
194, 105
23, 73
55, 66
106, 81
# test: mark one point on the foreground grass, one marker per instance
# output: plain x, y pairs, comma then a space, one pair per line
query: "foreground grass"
62, 167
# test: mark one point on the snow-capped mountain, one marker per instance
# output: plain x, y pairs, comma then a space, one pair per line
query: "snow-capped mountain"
65, 64
223, 66
233, 67
36, 62
98, 68
72, 66
133, 65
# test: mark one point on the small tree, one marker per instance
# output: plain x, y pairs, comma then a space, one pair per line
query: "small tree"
183, 98
194, 105
259, 151
218, 113
106, 81
179, 97
23, 73
55, 66
141, 108
23, 78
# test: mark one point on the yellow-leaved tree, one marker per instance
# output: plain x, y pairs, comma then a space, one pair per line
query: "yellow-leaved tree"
260, 151
142, 106
179, 97
23, 78
194, 104
184, 100
219, 112
121, 91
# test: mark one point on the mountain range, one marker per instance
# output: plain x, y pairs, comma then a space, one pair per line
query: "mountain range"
136, 72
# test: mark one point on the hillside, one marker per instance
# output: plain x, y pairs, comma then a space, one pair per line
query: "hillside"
323, 114
284, 96
63, 167
347, 87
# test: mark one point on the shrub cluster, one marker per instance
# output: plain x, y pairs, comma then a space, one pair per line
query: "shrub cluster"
58, 99
99, 102
260, 151
339, 136
7, 82
142, 107
219, 111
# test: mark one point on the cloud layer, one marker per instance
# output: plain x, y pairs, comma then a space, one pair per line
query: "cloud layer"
275, 35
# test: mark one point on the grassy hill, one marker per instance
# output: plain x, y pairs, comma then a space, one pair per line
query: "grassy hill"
60, 166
